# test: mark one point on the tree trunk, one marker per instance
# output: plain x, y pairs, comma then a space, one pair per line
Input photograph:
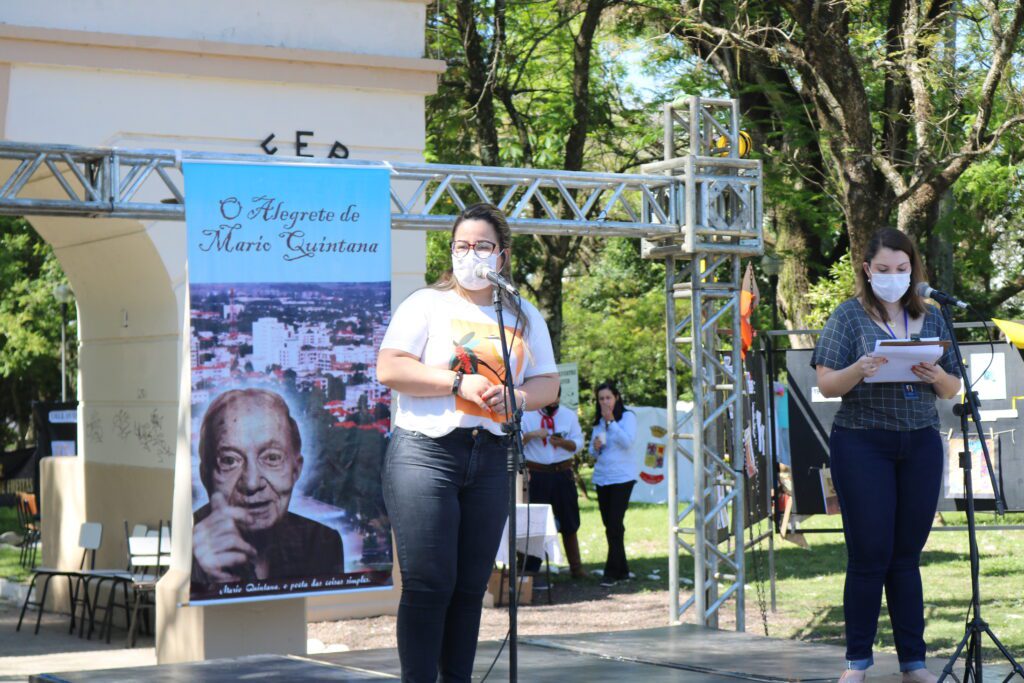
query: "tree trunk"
479, 86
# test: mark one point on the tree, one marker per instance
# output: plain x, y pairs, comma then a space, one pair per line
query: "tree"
30, 321
537, 93
902, 97
615, 325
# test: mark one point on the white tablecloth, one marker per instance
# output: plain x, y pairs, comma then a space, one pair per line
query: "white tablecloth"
541, 536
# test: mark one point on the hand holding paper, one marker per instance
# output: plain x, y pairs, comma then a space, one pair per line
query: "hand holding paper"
902, 356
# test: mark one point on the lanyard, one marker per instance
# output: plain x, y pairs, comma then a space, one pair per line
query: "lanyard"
906, 326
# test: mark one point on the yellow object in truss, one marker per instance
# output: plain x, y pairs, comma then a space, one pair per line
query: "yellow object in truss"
1014, 331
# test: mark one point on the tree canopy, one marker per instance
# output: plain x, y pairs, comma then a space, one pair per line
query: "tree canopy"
30, 320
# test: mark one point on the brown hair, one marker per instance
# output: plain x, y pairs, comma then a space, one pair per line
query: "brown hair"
892, 238
212, 425
496, 219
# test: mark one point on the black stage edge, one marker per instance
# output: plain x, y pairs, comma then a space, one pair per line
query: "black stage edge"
680, 654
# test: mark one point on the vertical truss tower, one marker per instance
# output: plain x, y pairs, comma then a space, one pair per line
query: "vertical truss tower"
720, 207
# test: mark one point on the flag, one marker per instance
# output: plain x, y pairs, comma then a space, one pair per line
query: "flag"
749, 296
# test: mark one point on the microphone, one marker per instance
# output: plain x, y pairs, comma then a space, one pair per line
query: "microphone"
485, 271
925, 290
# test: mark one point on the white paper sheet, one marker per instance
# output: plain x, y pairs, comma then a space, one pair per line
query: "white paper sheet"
991, 386
901, 359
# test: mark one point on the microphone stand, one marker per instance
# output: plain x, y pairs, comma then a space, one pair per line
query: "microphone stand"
976, 626
514, 440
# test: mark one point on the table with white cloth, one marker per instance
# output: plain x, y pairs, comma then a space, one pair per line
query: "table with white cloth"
535, 534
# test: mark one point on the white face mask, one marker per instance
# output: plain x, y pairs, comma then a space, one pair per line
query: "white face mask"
890, 286
462, 269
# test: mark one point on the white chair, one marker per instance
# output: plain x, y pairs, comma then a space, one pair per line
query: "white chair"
90, 535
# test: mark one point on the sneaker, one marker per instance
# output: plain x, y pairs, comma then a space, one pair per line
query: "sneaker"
608, 583
852, 676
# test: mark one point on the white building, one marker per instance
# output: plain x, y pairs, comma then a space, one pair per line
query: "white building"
204, 75
269, 338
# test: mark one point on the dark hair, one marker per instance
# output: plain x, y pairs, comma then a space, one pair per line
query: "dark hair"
619, 408
212, 425
892, 238
492, 215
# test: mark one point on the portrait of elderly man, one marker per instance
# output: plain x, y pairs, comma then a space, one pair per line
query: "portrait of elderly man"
250, 453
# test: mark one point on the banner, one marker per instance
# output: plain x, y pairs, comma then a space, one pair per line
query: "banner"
649, 451
290, 289
569, 382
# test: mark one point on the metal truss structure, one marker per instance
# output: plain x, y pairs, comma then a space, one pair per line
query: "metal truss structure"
109, 182
699, 211
721, 209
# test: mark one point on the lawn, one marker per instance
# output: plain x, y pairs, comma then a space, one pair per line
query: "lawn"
9, 567
810, 582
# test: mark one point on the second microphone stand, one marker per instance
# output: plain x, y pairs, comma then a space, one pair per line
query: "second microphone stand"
976, 626
514, 438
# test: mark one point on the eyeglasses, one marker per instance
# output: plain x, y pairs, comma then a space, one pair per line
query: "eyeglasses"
483, 248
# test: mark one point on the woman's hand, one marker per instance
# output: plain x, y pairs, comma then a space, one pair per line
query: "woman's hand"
608, 413
943, 384
476, 389
929, 373
496, 399
867, 365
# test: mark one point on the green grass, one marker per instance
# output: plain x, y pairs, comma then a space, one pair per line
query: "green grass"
10, 569
9, 520
810, 582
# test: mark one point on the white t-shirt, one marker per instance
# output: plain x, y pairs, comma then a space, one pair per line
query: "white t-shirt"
445, 330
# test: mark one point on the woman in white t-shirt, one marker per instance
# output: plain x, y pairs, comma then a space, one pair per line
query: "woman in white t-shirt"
445, 472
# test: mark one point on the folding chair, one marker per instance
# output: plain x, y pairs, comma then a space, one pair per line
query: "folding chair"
89, 537
148, 558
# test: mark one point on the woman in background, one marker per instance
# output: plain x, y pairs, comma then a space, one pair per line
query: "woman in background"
615, 473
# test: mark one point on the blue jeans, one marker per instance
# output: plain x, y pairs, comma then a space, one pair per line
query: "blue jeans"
447, 499
888, 486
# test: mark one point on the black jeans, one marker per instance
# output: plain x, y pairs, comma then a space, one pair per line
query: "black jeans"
613, 500
447, 499
888, 486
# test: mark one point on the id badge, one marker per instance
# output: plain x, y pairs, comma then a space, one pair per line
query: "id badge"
910, 392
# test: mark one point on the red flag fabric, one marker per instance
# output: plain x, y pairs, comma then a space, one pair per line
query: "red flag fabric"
749, 296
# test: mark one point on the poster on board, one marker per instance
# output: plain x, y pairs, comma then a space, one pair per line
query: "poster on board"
290, 294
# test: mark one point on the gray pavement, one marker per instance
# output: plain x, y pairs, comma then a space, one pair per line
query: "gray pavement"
54, 649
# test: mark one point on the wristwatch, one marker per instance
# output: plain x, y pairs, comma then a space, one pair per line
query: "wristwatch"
457, 382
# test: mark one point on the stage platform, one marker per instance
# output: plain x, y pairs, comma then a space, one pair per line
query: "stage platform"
684, 654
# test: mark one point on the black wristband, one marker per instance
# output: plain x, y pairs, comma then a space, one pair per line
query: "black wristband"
457, 382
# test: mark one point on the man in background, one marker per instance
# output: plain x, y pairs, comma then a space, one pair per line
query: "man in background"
551, 437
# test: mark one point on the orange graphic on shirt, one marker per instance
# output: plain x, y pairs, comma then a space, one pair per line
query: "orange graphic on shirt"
476, 350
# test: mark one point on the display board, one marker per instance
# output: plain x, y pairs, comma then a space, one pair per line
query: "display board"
998, 376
